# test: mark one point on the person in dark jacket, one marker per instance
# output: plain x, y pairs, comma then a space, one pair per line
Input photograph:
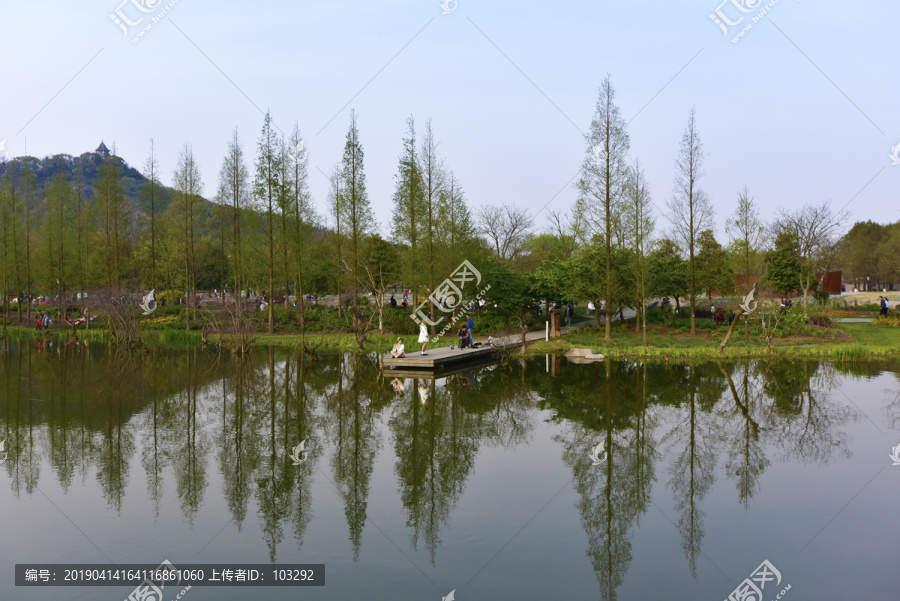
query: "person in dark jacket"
463, 337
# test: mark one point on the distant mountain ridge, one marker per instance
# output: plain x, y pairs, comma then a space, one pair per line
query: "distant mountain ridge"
87, 165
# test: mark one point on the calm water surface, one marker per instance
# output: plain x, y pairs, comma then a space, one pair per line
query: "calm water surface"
546, 480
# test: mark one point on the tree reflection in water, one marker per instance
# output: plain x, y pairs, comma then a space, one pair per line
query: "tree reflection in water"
91, 411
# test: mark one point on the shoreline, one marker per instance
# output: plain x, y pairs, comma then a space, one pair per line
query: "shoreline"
848, 347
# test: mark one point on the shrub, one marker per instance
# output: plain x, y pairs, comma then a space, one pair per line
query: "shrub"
400, 323
284, 316
489, 323
887, 321
818, 319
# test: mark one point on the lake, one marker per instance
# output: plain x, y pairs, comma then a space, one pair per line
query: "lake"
542, 479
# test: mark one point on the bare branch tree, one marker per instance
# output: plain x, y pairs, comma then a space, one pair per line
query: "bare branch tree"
567, 229
814, 227
506, 229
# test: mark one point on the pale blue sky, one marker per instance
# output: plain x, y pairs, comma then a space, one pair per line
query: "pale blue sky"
802, 109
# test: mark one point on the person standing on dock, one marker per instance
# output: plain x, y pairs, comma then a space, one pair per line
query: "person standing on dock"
423, 336
470, 325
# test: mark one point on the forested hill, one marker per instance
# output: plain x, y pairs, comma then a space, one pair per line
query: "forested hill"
86, 168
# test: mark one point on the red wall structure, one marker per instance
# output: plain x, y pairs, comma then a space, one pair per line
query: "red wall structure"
830, 282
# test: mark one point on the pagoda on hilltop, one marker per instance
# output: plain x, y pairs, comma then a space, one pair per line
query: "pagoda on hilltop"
102, 150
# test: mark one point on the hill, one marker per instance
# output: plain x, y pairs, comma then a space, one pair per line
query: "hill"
87, 166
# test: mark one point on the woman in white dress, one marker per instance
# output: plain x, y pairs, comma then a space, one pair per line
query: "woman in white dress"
423, 336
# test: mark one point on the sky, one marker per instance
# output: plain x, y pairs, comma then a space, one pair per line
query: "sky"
801, 109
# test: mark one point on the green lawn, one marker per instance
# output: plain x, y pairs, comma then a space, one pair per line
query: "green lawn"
866, 333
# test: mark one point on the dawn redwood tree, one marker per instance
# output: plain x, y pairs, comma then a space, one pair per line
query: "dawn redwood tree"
356, 212
57, 227
265, 188
431, 166
285, 203
409, 211
748, 235
234, 189
188, 188
457, 230
604, 176
691, 210
151, 193
638, 216
112, 218
82, 216
305, 218
8, 243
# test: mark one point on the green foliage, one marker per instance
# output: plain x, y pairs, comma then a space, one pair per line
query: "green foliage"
400, 323
783, 264
490, 322
584, 276
510, 293
548, 282
667, 272
713, 271
869, 252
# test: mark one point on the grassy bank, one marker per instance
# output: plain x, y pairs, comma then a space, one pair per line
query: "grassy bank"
842, 342
845, 342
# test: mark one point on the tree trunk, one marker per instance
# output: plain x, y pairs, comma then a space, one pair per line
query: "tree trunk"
725, 340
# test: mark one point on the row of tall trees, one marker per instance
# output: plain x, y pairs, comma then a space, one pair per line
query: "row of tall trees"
261, 231
431, 220
611, 253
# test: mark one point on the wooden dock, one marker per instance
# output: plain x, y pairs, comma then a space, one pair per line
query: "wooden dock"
444, 371
440, 358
